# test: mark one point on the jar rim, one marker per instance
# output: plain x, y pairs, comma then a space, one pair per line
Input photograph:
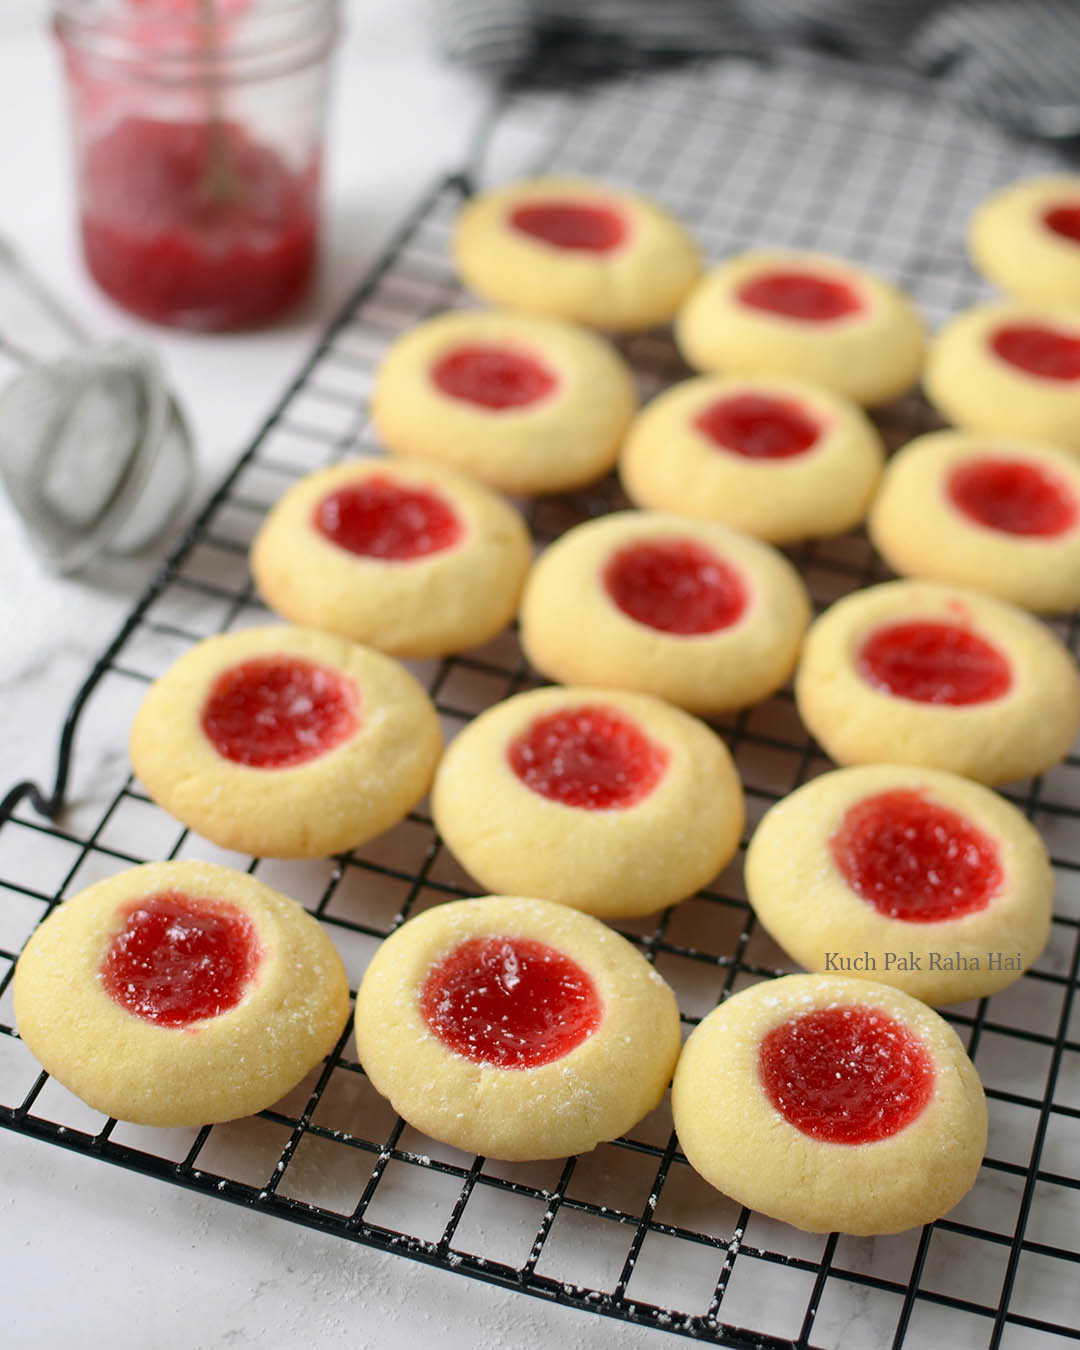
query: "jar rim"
266, 38
96, 10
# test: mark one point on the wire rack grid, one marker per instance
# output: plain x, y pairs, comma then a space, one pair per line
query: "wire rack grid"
805, 153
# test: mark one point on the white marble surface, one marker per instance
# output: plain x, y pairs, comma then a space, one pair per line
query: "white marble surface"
398, 118
95, 1255
92, 1255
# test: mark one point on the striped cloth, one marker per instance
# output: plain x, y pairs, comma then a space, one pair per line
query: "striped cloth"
1016, 61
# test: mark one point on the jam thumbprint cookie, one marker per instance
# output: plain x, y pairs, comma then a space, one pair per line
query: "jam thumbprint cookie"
911, 672
692, 612
576, 250
1009, 370
180, 993
410, 557
833, 1104
285, 742
526, 405
782, 459
1026, 239
516, 1029
909, 876
808, 315
1001, 516
614, 803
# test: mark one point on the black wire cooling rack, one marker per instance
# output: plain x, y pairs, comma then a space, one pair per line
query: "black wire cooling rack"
807, 153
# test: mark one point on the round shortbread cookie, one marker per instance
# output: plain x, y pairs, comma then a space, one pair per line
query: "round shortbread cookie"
804, 314
832, 1104
516, 1028
614, 803
910, 672
526, 405
1026, 239
579, 250
782, 459
180, 993
286, 742
410, 557
1001, 516
909, 876
687, 610
1009, 370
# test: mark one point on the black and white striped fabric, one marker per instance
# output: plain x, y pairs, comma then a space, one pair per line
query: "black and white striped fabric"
1017, 61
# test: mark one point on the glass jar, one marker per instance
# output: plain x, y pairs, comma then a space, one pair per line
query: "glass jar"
198, 132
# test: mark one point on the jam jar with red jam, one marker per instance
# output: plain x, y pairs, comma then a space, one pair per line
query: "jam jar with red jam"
198, 128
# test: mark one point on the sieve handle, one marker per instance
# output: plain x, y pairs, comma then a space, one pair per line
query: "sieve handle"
16, 266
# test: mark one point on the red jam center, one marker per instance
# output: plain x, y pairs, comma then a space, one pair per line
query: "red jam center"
513, 1003
379, 518
197, 225
179, 959
493, 377
929, 661
800, 295
571, 225
591, 757
1046, 352
1064, 220
915, 860
849, 1075
676, 585
273, 712
759, 426
1013, 495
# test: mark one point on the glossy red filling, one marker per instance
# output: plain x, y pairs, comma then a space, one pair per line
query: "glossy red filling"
493, 377
1013, 495
380, 518
178, 959
676, 586
273, 712
914, 859
930, 661
848, 1075
1064, 220
513, 1003
571, 225
759, 426
800, 295
1037, 350
591, 757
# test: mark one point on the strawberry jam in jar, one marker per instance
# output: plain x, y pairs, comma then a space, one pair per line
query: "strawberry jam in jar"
198, 130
